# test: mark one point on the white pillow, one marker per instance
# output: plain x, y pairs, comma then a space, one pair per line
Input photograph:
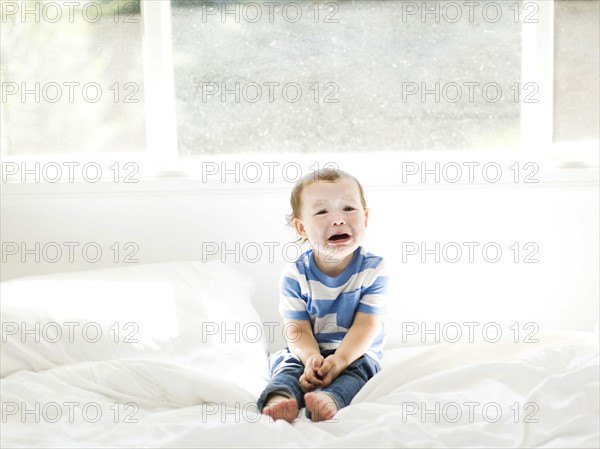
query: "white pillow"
179, 312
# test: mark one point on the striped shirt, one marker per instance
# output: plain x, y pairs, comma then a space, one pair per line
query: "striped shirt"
330, 303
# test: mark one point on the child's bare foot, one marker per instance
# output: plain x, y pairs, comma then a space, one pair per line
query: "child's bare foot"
281, 407
320, 405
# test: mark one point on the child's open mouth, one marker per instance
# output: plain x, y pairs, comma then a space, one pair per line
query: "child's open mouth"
339, 238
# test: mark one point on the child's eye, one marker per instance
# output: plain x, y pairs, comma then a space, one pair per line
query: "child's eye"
349, 208
321, 212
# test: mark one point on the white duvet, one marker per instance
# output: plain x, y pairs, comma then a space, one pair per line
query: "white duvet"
183, 385
509, 395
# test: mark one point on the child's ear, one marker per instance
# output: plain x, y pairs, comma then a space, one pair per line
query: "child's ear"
299, 227
366, 217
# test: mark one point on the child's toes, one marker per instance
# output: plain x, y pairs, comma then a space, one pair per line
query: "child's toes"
286, 409
320, 405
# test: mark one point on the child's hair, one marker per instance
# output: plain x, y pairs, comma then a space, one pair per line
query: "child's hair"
323, 174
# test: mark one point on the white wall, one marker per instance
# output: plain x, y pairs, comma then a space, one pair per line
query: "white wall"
561, 291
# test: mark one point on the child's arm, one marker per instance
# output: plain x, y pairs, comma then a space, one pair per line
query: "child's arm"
356, 342
302, 344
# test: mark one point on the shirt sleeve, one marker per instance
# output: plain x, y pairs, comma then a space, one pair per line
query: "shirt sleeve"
374, 297
292, 302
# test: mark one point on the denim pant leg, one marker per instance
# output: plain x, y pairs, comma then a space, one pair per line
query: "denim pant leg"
286, 370
352, 379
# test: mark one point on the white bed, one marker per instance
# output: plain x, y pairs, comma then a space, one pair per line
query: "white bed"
170, 373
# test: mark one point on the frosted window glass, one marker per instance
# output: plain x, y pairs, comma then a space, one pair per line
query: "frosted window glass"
72, 77
357, 68
576, 70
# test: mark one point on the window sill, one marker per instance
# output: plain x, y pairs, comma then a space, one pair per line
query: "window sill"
561, 165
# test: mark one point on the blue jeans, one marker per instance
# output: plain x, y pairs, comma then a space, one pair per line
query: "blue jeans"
286, 370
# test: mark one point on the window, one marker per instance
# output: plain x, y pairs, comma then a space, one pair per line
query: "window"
576, 70
186, 79
348, 76
72, 78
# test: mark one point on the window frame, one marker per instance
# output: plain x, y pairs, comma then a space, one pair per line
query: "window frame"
159, 80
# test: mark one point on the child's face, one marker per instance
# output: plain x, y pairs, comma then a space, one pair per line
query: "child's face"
332, 218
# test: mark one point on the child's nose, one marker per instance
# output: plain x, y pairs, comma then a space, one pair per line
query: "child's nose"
338, 221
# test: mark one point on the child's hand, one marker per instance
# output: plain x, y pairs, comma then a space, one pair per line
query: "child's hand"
310, 379
331, 368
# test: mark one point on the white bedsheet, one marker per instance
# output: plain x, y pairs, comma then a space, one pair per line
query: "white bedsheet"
555, 382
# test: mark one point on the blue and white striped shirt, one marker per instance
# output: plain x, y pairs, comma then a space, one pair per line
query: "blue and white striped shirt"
330, 303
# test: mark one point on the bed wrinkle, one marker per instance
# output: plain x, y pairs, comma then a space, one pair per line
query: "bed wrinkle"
149, 383
561, 378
